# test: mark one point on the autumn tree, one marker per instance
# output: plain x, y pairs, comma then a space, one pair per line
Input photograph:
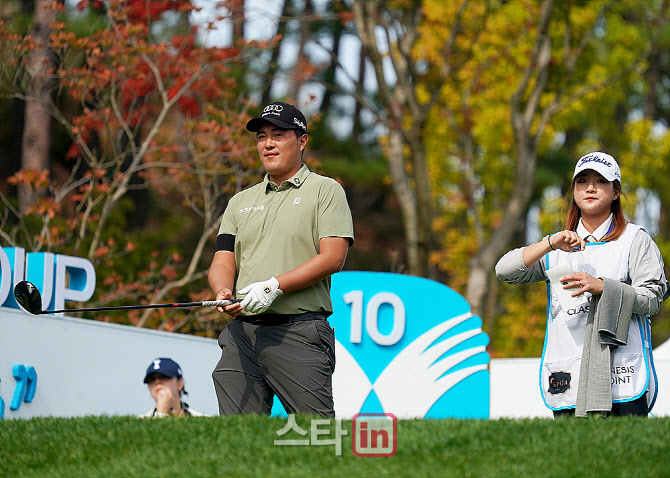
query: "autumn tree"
572, 59
470, 106
404, 112
141, 111
36, 131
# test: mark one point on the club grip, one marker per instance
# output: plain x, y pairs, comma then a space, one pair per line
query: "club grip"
220, 303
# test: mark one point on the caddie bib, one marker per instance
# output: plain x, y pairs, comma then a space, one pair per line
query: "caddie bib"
632, 369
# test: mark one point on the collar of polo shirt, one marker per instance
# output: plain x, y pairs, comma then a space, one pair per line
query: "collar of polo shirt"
297, 180
598, 234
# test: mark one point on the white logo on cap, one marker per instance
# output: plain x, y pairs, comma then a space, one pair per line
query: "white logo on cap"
272, 109
300, 123
157, 364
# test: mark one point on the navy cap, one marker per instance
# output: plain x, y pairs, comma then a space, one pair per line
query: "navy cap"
280, 114
164, 366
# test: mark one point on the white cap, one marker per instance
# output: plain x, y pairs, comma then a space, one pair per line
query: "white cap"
602, 163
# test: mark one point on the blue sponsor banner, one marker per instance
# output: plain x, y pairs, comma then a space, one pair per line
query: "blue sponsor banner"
408, 346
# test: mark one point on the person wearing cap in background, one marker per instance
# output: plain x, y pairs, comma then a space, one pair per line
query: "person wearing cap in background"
597, 355
278, 244
166, 385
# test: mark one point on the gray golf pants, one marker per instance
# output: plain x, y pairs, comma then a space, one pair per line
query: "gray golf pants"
294, 361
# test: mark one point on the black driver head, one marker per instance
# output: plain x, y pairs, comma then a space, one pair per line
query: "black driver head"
28, 297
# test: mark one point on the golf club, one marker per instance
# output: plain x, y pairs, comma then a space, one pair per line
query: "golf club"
30, 299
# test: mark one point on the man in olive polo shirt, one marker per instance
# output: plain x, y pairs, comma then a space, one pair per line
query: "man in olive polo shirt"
278, 244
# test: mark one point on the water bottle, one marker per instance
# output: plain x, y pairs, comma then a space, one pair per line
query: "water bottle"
577, 261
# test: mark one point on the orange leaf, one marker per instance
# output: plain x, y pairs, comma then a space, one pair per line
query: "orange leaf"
101, 251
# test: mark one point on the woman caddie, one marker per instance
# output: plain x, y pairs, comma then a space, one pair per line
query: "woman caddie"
597, 352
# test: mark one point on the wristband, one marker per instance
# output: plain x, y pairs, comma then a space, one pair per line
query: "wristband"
549, 242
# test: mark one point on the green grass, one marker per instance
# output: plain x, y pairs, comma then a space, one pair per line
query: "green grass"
244, 446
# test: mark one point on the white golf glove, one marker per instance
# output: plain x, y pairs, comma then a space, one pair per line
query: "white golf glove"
260, 295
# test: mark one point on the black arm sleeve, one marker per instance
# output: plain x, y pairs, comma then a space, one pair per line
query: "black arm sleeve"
225, 242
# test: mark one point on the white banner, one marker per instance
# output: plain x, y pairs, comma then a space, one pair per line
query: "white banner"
87, 367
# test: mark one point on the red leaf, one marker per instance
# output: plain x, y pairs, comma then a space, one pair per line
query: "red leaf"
73, 152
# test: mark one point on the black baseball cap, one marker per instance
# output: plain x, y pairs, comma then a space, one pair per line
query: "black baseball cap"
280, 114
164, 366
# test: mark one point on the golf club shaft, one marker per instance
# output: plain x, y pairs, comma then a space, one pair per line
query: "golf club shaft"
206, 303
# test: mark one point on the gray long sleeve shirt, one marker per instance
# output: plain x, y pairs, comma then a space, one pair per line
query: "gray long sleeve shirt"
645, 265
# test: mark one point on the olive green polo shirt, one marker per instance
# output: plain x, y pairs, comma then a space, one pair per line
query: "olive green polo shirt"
278, 228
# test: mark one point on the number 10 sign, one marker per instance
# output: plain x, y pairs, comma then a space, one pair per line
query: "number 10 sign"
408, 346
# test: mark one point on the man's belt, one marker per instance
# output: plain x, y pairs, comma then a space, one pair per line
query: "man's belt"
280, 319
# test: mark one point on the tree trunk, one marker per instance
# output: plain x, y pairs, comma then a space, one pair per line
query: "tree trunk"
406, 198
424, 203
239, 20
36, 140
398, 99
329, 74
483, 263
524, 108
273, 65
305, 34
357, 128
